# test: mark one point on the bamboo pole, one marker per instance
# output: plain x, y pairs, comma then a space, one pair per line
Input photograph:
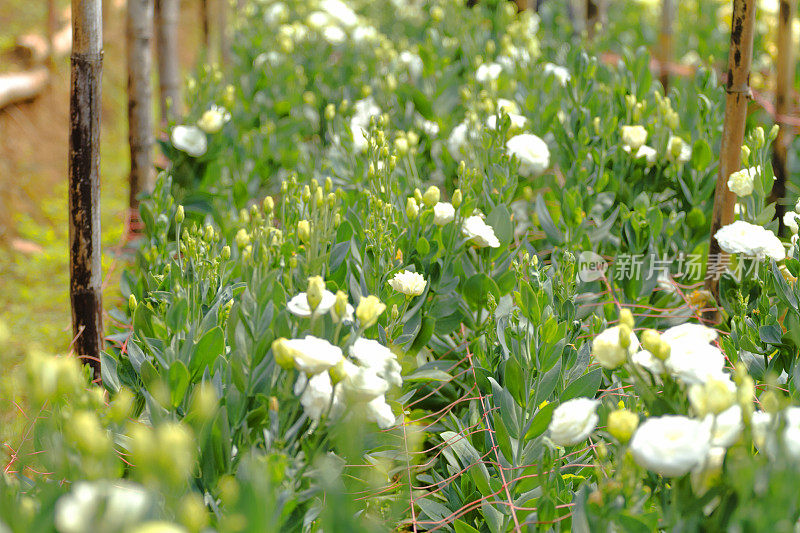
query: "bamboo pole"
592, 17
167, 14
784, 82
84, 181
139, 34
224, 42
737, 93
665, 41
206, 23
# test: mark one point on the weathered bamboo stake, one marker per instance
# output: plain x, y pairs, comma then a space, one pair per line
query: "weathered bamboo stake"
167, 16
592, 17
522, 5
84, 181
222, 25
139, 34
665, 41
206, 23
736, 97
784, 81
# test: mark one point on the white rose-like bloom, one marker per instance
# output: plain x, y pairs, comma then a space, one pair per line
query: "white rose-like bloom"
318, 20
100, 504
373, 354
634, 137
364, 110
670, 445
213, 119
334, 35
509, 106
479, 232
189, 139
705, 473
517, 121
316, 396
790, 221
573, 421
691, 333
791, 433
726, 427
340, 11
678, 150
648, 153
413, 62
298, 305
443, 213
560, 73
457, 142
408, 283
365, 34
362, 384
380, 412
609, 352
532, 152
313, 355
649, 362
742, 181
748, 239
488, 72
694, 363
277, 13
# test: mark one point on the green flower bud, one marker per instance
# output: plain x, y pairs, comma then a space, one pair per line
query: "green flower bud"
773, 132
758, 135
283, 353
268, 204
431, 196
242, 238
180, 215
412, 209
225, 253
624, 336
745, 154
316, 287
626, 318
622, 423
651, 341
418, 196
368, 310
304, 231
132, 303
330, 112
457, 198
306, 193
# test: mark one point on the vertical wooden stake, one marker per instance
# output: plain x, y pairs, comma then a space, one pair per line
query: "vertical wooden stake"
206, 23
167, 16
52, 28
592, 17
784, 82
84, 181
224, 43
522, 5
665, 41
737, 93
139, 35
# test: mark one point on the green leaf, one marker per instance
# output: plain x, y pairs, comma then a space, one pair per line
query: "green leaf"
430, 374
584, 386
178, 382
541, 421
500, 220
546, 221
176, 315
515, 381
701, 154
208, 348
478, 287
463, 527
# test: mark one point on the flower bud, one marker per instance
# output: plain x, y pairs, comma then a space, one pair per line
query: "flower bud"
316, 287
330, 112
339, 307
773, 132
306, 193
401, 146
283, 353
626, 318
622, 423
132, 303
368, 310
457, 198
431, 196
651, 341
758, 136
745, 155
304, 231
338, 372
624, 336
180, 215
268, 204
418, 196
242, 238
412, 209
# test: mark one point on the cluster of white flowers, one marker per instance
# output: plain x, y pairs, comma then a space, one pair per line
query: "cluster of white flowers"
750, 240
742, 181
488, 72
101, 506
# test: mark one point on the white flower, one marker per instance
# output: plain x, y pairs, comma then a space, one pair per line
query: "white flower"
365, 34
670, 445
648, 153
726, 427
688, 332
509, 106
488, 72
607, 348
373, 354
299, 306
532, 152
457, 143
560, 73
277, 13
362, 384
517, 121
479, 232
189, 139
413, 62
313, 355
649, 362
678, 150
340, 11
100, 506
573, 421
364, 110
443, 212
213, 119
380, 412
318, 20
316, 396
334, 35
791, 433
790, 220
741, 182
430, 128
748, 239
634, 137
705, 473
761, 424
695, 363
408, 283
